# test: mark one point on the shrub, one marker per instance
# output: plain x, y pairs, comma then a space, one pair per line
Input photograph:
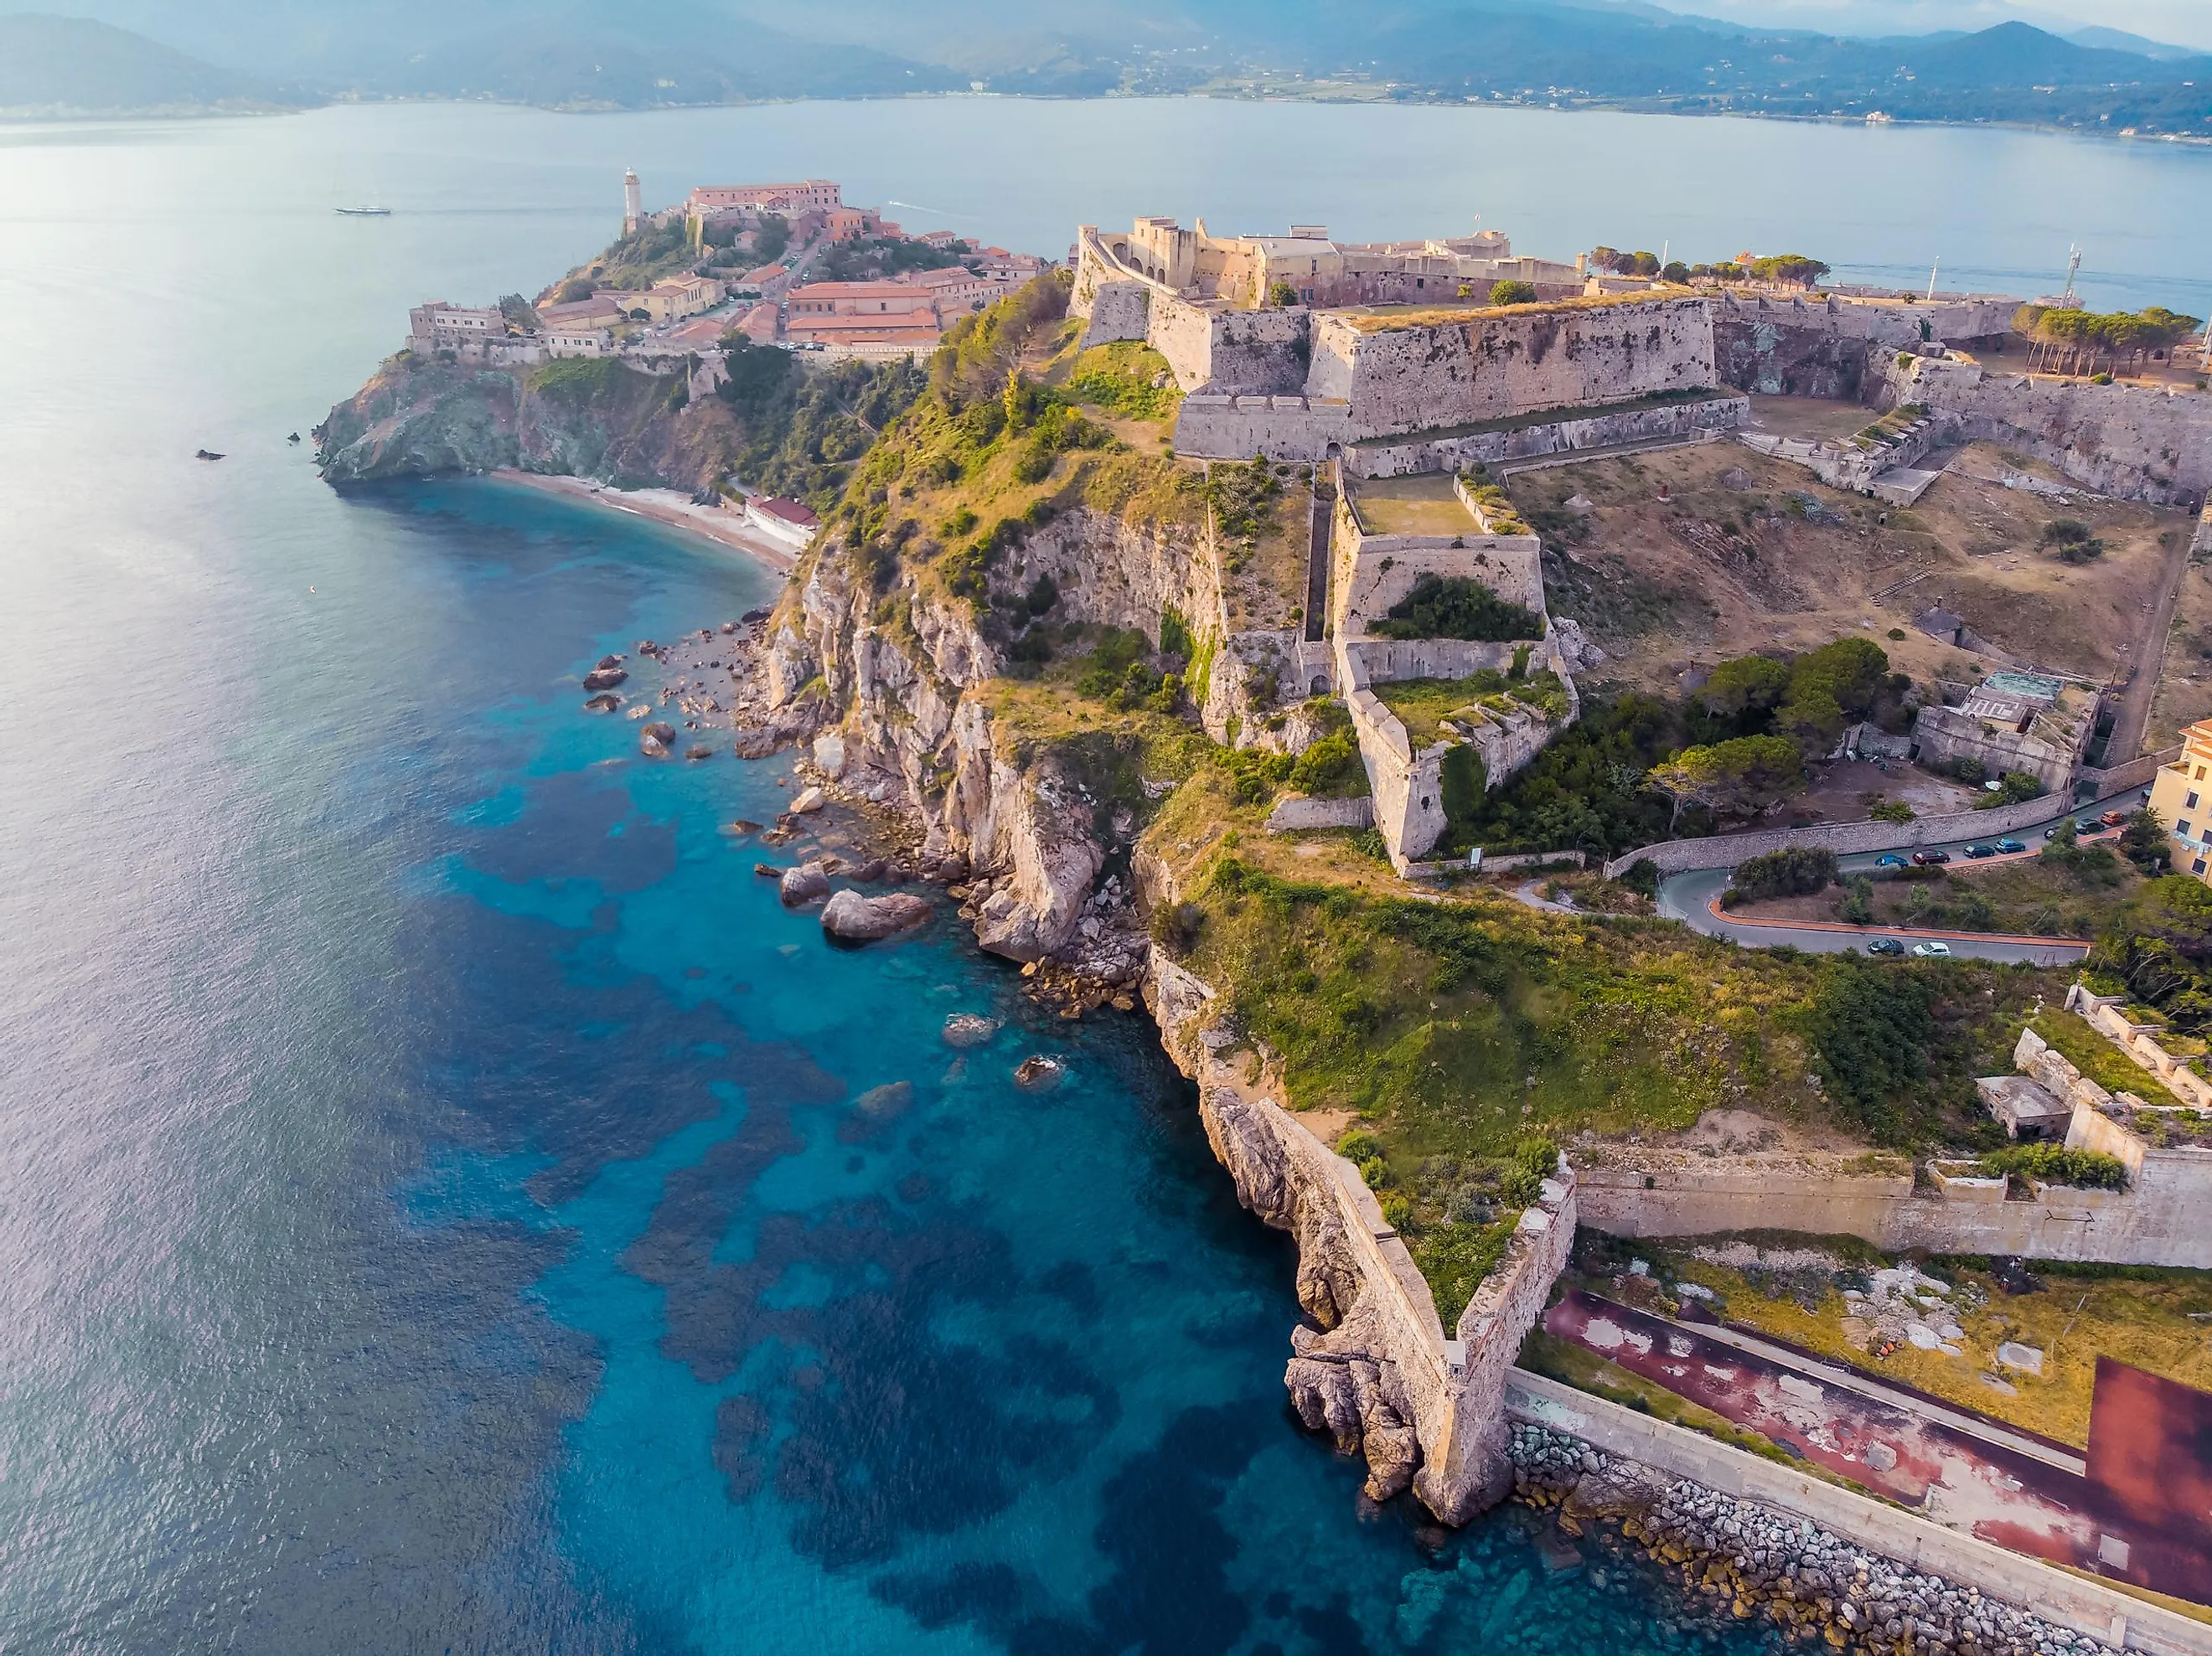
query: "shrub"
1890, 811
1282, 295
1174, 927
1512, 293
1330, 768
1857, 908
1460, 607
2071, 539
2143, 841
1642, 877
2055, 1165
1871, 1031
1792, 872
1117, 650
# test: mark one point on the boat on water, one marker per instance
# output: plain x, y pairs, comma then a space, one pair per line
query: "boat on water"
364, 212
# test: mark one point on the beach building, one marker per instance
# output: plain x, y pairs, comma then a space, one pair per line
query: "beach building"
786, 522
2181, 794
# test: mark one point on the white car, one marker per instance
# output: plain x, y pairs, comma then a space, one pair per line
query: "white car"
1932, 951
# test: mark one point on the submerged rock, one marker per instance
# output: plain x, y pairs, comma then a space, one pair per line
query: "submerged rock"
1038, 1074
702, 752
967, 1029
653, 741
863, 920
603, 678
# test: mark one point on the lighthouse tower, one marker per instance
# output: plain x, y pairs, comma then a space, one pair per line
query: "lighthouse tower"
633, 203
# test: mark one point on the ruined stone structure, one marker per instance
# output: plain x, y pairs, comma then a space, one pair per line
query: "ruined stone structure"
2020, 722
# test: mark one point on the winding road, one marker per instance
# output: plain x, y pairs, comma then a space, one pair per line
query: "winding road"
1693, 898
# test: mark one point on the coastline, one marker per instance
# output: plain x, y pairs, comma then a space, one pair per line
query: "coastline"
663, 505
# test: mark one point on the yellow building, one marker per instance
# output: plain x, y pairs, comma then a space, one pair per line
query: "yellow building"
2182, 796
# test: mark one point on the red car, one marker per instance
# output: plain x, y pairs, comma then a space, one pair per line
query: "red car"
2113, 818
1930, 858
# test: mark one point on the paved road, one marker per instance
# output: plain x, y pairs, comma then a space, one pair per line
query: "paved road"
1688, 898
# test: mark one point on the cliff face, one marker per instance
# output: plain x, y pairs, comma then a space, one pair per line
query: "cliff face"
589, 418
905, 674
1379, 1375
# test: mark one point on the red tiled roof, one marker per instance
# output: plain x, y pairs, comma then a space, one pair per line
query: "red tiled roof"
790, 511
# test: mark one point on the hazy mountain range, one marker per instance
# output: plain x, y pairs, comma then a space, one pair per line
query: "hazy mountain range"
131, 55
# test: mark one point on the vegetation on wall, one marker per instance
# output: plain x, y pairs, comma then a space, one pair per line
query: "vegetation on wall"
1458, 607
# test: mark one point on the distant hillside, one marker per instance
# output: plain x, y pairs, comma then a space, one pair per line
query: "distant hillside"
75, 66
604, 54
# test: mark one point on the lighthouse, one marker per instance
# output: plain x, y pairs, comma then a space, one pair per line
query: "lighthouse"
633, 203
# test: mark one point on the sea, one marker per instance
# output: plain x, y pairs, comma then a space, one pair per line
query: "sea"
447, 1204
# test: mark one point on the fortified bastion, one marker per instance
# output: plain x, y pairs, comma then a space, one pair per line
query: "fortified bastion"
1386, 340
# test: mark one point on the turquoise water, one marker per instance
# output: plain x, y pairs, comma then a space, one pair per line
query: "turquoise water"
435, 1211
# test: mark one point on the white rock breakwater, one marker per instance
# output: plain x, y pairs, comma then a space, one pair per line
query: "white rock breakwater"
1761, 1562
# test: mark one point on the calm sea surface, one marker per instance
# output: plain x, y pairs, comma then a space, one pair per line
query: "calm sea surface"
433, 1214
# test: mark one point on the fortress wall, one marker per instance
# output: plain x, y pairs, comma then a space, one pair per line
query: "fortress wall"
1686, 422
1374, 572
1726, 851
1184, 334
1261, 352
2150, 1224
2138, 443
1212, 428
1501, 363
1815, 348
1117, 310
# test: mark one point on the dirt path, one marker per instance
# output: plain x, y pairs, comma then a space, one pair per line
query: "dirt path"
2150, 657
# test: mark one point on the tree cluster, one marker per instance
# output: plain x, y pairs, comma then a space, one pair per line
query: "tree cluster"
2078, 341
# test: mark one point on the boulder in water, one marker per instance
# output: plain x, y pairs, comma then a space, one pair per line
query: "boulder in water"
1038, 1074
856, 918
967, 1029
803, 883
700, 752
603, 678
604, 702
809, 801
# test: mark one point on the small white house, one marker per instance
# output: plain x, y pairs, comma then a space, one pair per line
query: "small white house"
786, 522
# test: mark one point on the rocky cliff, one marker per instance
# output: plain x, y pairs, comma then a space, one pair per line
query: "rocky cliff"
1377, 1373
588, 417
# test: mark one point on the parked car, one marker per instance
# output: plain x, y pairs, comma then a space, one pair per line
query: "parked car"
2114, 819
1978, 851
1932, 951
2010, 847
1930, 858
1889, 860
1884, 946
2090, 825
2050, 833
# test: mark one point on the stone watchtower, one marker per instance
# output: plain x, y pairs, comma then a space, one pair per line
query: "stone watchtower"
633, 203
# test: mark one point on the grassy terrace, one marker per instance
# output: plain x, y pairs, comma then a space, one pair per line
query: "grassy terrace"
1412, 505
1422, 704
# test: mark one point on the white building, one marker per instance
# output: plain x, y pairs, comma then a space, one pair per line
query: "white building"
580, 342
439, 326
786, 522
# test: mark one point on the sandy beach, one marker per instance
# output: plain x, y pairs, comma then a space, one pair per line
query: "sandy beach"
664, 505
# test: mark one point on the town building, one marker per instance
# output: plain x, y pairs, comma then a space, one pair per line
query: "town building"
818, 299
787, 200
2181, 795
2026, 723
579, 342
669, 301
439, 326
786, 522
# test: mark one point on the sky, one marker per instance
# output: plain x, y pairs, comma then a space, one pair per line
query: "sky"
2179, 22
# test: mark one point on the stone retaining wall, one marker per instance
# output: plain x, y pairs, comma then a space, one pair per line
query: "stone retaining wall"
1727, 849
1295, 813
2085, 1606
1683, 422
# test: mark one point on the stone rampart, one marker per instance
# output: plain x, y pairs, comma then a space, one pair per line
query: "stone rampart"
1662, 1194
1684, 422
1295, 813
2085, 1605
2138, 442
1382, 1379
2139, 1042
1213, 427
1374, 572
1513, 360
1727, 849
1803, 347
